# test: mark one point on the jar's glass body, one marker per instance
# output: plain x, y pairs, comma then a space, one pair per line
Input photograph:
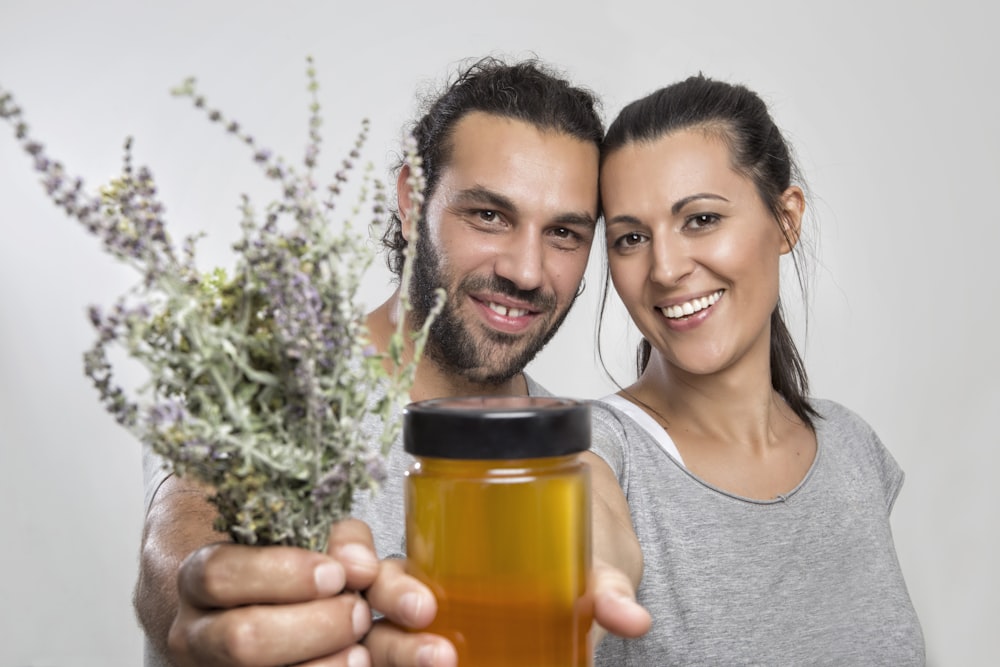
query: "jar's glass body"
506, 547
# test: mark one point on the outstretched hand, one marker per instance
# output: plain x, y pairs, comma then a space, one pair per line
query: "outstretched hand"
615, 607
242, 605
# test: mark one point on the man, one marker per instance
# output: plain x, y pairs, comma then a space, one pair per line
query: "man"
510, 154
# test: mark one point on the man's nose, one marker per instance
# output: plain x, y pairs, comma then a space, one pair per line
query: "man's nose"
520, 259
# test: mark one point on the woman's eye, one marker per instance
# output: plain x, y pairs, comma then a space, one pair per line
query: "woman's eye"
702, 220
629, 240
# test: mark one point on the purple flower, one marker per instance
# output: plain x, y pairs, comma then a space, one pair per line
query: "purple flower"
253, 383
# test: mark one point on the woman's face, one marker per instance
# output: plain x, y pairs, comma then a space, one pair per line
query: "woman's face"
693, 250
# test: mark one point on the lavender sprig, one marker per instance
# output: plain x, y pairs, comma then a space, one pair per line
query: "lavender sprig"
258, 381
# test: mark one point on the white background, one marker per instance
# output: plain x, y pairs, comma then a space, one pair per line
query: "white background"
892, 108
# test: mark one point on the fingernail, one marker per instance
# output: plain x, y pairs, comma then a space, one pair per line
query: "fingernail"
329, 578
357, 555
410, 605
426, 655
438, 654
361, 618
358, 657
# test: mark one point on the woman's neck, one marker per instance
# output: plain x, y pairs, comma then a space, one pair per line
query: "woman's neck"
731, 428
737, 404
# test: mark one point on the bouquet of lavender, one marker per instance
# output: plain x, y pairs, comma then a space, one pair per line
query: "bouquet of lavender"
258, 379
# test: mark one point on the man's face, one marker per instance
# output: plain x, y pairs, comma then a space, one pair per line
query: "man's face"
507, 234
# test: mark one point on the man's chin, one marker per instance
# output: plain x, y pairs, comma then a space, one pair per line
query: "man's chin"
487, 366
488, 375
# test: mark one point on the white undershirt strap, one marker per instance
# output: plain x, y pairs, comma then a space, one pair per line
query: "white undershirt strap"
651, 426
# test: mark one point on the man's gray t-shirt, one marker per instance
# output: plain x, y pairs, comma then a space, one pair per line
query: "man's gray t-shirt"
810, 578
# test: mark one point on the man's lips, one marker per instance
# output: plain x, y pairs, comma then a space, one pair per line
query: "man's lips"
506, 311
505, 314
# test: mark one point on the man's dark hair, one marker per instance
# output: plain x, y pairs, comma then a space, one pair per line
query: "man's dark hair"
527, 91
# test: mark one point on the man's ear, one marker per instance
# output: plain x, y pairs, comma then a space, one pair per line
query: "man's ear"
793, 208
404, 200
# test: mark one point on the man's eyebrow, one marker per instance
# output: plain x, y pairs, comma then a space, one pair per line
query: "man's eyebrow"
480, 195
572, 219
681, 203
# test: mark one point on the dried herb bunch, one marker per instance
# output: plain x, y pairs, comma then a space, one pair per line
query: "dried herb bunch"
258, 380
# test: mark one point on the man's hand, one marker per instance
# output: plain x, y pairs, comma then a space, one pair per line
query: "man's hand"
242, 605
206, 602
406, 603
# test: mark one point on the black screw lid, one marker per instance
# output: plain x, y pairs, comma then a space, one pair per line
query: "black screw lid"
496, 427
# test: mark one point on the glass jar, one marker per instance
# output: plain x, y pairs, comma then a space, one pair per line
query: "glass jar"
498, 525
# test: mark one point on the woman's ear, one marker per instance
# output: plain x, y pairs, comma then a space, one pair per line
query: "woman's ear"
793, 208
404, 201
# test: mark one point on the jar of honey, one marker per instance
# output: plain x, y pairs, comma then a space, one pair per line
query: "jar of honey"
498, 525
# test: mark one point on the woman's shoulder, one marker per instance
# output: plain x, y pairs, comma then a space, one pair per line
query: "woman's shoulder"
840, 426
618, 418
607, 422
837, 418
847, 436
613, 435
608, 410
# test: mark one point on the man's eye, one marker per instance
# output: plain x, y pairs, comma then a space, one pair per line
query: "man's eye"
488, 216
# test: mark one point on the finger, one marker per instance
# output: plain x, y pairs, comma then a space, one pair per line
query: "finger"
355, 656
615, 607
231, 575
352, 545
401, 597
391, 646
267, 635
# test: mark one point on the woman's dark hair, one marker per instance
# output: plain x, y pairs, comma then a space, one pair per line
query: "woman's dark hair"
758, 150
526, 91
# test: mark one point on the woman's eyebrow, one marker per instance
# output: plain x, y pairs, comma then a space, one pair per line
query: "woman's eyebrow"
626, 218
681, 203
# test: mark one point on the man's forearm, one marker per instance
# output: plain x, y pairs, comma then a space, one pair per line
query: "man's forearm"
179, 522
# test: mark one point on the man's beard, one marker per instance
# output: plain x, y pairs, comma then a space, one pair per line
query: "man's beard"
488, 358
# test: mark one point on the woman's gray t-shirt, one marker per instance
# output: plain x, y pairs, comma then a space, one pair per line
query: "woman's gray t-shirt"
809, 578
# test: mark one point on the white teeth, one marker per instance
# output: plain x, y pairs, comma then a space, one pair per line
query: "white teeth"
691, 307
505, 311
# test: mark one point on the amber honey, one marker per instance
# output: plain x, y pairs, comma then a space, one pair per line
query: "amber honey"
506, 551
498, 525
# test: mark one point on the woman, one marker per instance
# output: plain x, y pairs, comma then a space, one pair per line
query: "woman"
763, 513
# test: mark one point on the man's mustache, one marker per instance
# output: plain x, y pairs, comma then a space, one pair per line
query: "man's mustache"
536, 298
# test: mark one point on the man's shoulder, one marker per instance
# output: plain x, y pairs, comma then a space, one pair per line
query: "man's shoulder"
535, 389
